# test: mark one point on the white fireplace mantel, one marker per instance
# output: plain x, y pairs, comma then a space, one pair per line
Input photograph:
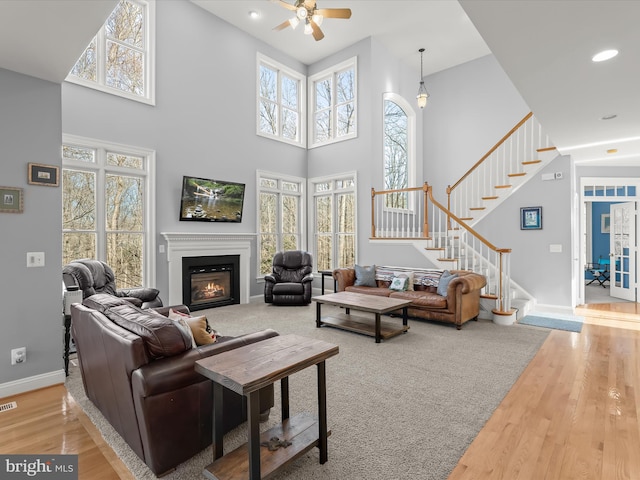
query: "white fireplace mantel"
181, 245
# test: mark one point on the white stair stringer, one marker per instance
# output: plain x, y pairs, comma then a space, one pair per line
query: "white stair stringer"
521, 300
531, 170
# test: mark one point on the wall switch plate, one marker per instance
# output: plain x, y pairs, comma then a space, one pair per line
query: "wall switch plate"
161, 248
548, 176
35, 259
555, 248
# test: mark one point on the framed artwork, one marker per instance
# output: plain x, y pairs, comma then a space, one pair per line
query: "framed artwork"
531, 218
11, 200
43, 175
605, 223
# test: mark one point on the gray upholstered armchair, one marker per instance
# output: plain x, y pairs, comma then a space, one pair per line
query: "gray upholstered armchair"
291, 280
94, 276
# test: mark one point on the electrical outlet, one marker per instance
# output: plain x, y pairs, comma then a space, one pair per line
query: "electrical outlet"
18, 355
35, 259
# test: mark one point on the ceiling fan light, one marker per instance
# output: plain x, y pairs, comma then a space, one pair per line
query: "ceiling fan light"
294, 22
301, 12
317, 19
308, 30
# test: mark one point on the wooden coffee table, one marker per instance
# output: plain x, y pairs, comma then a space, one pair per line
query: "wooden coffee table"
364, 303
245, 370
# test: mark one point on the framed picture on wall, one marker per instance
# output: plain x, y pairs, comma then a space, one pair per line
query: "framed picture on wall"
605, 223
531, 218
43, 175
11, 200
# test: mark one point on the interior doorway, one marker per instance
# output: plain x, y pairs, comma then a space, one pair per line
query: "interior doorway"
608, 257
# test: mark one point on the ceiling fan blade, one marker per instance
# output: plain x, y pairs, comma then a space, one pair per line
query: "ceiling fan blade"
286, 5
317, 33
334, 12
283, 25
309, 3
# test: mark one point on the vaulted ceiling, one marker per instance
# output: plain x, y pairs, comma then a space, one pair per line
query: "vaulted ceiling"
544, 46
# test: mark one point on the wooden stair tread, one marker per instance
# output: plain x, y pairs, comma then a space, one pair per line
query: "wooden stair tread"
531, 162
466, 219
477, 208
434, 248
503, 186
519, 174
447, 259
546, 149
494, 197
489, 296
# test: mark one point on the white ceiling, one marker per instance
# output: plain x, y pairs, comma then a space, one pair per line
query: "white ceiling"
544, 46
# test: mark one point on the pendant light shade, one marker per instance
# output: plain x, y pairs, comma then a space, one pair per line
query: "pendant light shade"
423, 95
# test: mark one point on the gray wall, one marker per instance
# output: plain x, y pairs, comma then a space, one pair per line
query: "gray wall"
31, 302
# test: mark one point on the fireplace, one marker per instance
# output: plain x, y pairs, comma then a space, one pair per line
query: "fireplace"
210, 281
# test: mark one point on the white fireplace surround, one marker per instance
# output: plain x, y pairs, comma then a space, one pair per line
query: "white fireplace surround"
180, 245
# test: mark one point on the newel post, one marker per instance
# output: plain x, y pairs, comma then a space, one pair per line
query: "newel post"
373, 213
425, 228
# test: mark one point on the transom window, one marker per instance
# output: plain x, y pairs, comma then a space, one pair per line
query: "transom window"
107, 200
333, 104
334, 221
281, 103
119, 59
280, 218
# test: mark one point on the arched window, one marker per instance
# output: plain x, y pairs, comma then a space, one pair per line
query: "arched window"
399, 149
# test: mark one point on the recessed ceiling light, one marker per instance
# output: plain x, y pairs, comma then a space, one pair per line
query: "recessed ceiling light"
253, 14
604, 55
609, 117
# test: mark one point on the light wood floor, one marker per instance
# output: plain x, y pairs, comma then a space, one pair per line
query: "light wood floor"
574, 413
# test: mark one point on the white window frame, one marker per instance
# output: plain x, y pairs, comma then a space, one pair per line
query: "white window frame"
332, 72
302, 101
100, 168
334, 192
407, 108
279, 191
149, 98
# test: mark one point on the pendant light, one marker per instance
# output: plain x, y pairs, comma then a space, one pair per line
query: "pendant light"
423, 95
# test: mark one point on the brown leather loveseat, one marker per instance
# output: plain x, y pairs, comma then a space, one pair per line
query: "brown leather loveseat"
138, 368
460, 304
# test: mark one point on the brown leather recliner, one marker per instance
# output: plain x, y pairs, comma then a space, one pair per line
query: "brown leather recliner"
94, 276
291, 280
137, 367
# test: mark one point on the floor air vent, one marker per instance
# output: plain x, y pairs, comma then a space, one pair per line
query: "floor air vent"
8, 406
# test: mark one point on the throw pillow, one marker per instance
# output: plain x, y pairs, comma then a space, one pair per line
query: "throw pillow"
197, 325
399, 284
409, 276
445, 279
182, 324
365, 276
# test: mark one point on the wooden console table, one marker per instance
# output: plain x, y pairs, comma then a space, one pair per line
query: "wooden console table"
246, 370
365, 303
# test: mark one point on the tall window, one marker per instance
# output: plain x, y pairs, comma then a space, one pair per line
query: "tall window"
107, 199
399, 154
334, 220
333, 104
280, 220
281, 102
119, 59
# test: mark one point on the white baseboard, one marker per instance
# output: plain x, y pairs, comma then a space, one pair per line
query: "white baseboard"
31, 383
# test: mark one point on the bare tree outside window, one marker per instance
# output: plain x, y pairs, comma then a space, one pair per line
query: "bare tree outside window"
396, 157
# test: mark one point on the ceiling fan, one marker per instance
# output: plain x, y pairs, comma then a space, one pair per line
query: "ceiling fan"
307, 11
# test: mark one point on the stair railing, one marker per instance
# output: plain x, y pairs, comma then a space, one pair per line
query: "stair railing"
493, 172
413, 214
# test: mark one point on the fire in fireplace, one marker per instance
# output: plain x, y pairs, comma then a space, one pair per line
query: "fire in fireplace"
210, 281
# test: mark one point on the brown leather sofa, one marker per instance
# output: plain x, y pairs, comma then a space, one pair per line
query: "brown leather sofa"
137, 367
461, 304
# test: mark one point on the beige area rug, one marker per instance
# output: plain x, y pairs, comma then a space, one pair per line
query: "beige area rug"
406, 408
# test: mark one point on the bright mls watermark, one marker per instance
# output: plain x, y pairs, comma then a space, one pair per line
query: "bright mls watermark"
52, 467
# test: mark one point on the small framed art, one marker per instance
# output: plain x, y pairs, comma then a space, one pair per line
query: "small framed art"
11, 200
605, 223
531, 218
43, 175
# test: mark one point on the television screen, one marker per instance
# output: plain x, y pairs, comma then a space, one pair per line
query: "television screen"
205, 200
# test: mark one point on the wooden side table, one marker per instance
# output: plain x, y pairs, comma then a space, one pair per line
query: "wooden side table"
246, 370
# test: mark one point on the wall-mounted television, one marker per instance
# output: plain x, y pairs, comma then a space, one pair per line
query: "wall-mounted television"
207, 200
